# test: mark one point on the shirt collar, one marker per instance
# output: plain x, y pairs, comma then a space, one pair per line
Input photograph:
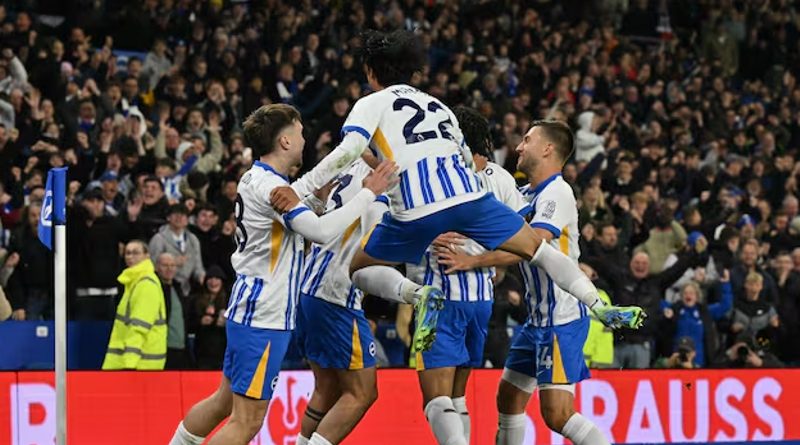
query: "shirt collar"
269, 168
539, 187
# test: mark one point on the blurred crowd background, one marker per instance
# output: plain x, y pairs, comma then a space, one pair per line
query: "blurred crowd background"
686, 114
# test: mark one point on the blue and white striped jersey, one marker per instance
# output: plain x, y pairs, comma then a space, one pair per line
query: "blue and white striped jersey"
554, 209
269, 256
326, 274
476, 284
420, 134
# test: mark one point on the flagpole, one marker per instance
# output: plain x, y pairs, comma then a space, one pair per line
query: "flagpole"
61, 331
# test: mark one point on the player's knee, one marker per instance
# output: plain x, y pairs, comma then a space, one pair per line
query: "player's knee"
556, 416
510, 399
248, 424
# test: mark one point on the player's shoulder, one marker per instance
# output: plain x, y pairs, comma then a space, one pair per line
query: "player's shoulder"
557, 185
498, 174
261, 179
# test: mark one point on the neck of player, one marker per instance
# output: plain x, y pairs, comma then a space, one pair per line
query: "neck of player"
281, 164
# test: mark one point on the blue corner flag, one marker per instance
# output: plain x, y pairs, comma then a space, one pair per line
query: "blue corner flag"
54, 208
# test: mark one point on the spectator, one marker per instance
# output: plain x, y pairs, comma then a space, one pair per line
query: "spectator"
754, 313
588, 143
684, 357
788, 282
752, 352
178, 356
93, 243
146, 214
183, 245
30, 284
636, 285
507, 305
207, 320
689, 318
139, 336
216, 245
748, 262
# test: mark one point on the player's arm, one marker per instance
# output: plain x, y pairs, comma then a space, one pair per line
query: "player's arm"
450, 253
340, 159
322, 229
357, 131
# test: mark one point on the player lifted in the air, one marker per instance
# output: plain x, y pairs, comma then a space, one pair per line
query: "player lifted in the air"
437, 193
269, 264
548, 352
464, 321
333, 333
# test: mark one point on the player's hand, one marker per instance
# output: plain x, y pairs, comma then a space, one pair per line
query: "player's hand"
383, 177
323, 192
449, 240
454, 258
283, 199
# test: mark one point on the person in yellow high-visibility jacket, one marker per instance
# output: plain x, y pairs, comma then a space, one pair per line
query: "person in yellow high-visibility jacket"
139, 337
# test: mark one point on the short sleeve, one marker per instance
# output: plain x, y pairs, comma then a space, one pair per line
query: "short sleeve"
364, 117
553, 209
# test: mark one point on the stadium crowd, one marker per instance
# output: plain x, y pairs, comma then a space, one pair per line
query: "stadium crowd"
686, 115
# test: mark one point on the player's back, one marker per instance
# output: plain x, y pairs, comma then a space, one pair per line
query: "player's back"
269, 257
326, 274
553, 208
476, 284
420, 134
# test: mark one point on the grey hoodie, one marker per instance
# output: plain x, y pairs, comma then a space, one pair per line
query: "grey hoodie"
164, 241
587, 143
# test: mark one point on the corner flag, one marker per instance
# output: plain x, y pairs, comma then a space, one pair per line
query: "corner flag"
54, 206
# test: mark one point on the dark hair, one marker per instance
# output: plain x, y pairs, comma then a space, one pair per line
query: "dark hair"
154, 178
262, 127
476, 130
166, 162
393, 57
559, 134
207, 207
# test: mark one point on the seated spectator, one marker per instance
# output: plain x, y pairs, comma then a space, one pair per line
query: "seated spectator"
139, 336
753, 313
207, 320
689, 318
176, 303
174, 238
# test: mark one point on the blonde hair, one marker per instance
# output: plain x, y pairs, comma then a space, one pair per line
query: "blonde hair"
754, 277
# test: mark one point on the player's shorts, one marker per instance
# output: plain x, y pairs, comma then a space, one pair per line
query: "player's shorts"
460, 336
333, 336
551, 355
486, 220
253, 359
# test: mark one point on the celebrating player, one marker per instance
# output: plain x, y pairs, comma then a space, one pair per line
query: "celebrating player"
333, 332
548, 352
268, 263
464, 321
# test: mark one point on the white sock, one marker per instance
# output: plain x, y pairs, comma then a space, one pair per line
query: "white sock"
184, 437
301, 440
444, 421
566, 274
316, 439
581, 431
460, 404
510, 429
386, 282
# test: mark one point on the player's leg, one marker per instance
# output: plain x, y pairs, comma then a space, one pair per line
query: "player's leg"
557, 406
326, 393
246, 420
459, 397
437, 369
359, 391
475, 341
393, 242
204, 416
252, 362
561, 365
516, 386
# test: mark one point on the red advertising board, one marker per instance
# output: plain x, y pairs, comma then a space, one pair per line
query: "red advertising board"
629, 406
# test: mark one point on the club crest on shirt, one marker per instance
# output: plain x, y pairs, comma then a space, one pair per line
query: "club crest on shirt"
549, 209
